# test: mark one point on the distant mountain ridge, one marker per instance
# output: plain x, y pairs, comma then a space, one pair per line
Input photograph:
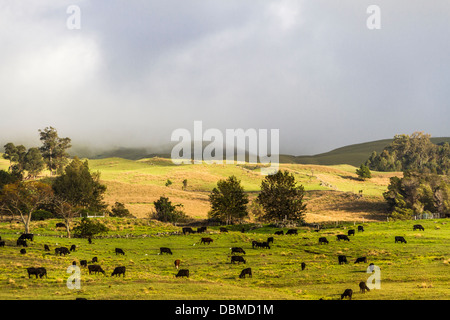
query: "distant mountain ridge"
354, 154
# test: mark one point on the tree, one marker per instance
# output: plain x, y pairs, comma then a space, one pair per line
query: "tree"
119, 210
79, 187
33, 162
281, 198
88, 228
54, 149
23, 198
364, 172
8, 178
66, 211
228, 201
167, 212
10, 153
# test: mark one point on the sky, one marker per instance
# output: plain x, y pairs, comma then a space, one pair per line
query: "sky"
131, 72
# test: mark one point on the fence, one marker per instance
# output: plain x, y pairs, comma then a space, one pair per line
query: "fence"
427, 216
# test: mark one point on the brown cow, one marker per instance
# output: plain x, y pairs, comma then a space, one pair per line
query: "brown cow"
177, 263
206, 240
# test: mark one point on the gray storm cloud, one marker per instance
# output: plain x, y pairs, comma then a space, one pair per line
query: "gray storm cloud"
137, 70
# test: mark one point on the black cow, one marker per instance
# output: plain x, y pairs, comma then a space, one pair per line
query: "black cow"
237, 250
201, 229
94, 260
62, 251
279, 232
2, 243
27, 236
73, 247
265, 245
38, 272
206, 240
237, 259
46, 247
292, 231
95, 268
342, 259
222, 229
74, 263
347, 293
400, 239
21, 243
165, 250
351, 232
118, 271
363, 287
83, 263
187, 230
342, 237
360, 228
361, 259
323, 240
418, 226
247, 271
256, 244
303, 266
60, 225
119, 251
23, 251
270, 239
183, 273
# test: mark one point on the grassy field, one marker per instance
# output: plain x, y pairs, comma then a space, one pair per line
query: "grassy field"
416, 270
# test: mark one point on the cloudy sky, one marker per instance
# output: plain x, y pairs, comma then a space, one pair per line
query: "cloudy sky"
137, 70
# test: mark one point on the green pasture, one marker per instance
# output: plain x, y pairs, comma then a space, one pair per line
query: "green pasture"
418, 269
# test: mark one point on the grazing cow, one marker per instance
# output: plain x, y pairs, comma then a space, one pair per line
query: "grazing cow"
363, 287
23, 251
187, 230
90, 240
342, 259
237, 259
264, 245
62, 251
38, 272
21, 243
94, 260
183, 273
418, 226
237, 250
32, 271
351, 232
206, 240
342, 237
95, 268
46, 247
165, 250
279, 233
119, 251
400, 239
41, 272
222, 229
83, 263
323, 240
201, 229
73, 247
347, 293
118, 271
361, 259
74, 263
2, 243
360, 228
60, 225
292, 231
303, 266
177, 263
27, 236
270, 239
255, 244
247, 271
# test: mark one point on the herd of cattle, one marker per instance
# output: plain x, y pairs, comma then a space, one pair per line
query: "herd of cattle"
94, 268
